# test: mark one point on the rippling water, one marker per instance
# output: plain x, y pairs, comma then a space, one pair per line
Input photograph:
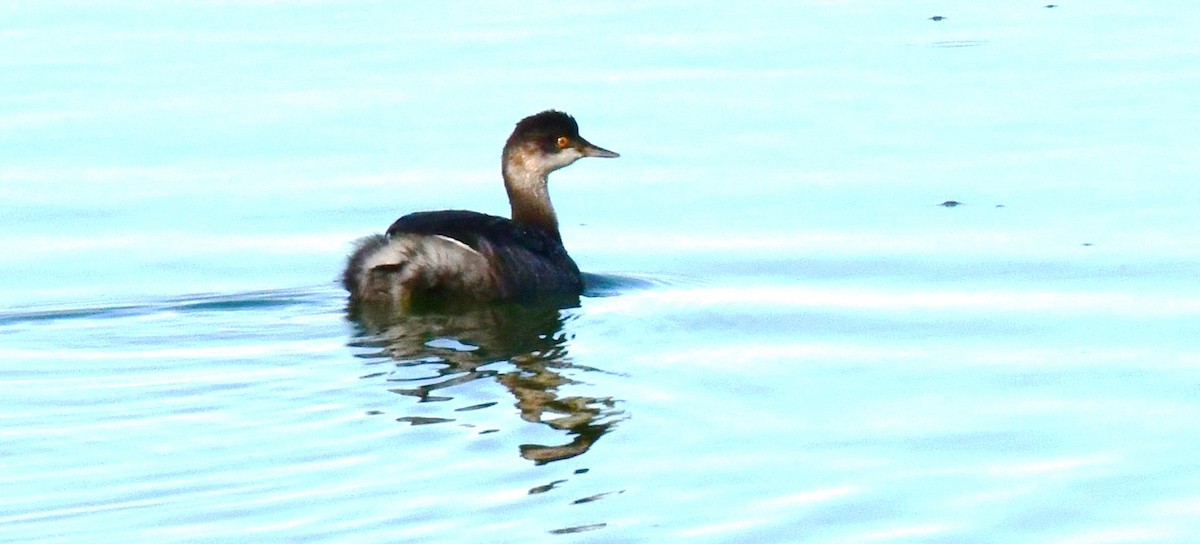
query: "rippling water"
785, 337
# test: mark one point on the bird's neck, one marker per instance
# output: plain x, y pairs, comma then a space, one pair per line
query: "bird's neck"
528, 194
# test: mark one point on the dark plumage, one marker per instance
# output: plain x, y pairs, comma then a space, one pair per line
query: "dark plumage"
456, 255
529, 261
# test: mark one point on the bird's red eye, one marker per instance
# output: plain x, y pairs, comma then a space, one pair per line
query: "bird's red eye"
563, 142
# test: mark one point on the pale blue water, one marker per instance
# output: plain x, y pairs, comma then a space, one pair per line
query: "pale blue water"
787, 339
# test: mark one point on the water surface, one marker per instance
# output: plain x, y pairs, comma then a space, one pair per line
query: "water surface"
785, 338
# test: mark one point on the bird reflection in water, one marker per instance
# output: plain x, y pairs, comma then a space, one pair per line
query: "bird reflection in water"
461, 343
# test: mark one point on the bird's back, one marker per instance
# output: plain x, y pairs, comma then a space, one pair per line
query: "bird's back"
461, 255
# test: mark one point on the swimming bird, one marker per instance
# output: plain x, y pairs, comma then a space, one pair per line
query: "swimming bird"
463, 256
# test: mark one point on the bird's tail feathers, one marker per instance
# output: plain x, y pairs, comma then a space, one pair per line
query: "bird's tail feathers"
402, 268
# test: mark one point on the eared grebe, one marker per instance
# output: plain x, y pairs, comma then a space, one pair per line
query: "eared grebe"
463, 256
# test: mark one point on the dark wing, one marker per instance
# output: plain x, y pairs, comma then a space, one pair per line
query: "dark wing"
531, 262
461, 225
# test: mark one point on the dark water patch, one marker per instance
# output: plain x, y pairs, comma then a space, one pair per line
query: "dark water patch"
33, 316
439, 371
424, 393
545, 487
256, 300
596, 497
250, 300
419, 420
578, 529
611, 285
231, 303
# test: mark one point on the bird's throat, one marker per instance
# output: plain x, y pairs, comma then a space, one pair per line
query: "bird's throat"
529, 197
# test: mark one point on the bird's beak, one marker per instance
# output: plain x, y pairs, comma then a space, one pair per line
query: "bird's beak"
590, 150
